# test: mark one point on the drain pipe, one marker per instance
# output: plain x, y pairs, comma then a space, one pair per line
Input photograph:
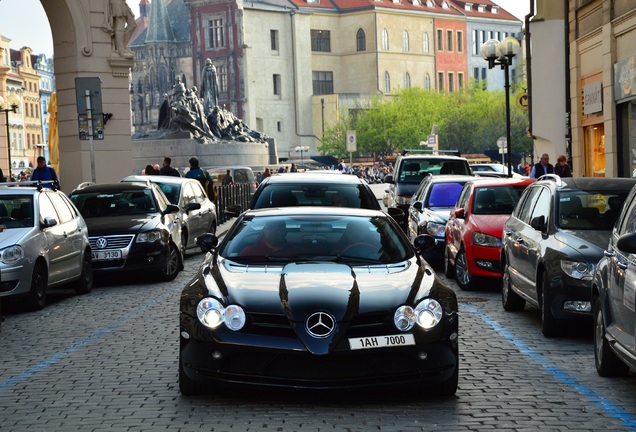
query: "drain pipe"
529, 70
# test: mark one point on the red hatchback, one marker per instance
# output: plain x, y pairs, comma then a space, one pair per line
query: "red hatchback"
473, 231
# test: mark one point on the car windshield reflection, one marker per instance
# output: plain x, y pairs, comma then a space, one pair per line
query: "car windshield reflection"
114, 204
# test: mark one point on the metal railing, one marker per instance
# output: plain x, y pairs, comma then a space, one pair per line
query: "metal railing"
231, 195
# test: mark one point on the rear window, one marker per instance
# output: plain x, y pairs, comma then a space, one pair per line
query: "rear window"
285, 195
413, 170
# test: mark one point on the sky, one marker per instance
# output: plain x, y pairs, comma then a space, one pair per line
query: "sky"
40, 41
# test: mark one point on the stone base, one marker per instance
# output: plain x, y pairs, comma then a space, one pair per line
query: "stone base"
222, 153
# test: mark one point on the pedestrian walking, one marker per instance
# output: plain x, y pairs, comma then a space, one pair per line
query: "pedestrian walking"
45, 173
203, 176
167, 168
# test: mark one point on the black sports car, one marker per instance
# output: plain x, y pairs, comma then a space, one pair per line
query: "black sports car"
317, 298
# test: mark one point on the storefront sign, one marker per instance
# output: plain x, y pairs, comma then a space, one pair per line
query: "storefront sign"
624, 85
592, 98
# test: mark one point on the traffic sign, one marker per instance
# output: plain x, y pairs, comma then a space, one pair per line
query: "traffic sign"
502, 142
351, 141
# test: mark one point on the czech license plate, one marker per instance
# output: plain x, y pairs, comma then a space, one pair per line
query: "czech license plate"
381, 341
104, 255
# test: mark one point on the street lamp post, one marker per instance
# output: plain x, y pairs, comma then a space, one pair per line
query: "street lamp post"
301, 149
10, 105
501, 53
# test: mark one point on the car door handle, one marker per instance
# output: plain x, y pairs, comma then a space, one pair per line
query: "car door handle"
621, 265
65, 234
609, 253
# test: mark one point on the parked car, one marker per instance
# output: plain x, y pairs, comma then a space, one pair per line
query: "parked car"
197, 214
43, 244
474, 228
240, 175
131, 227
614, 297
327, 188
410, 169
430, 208
317, 298
552, 242
492, 170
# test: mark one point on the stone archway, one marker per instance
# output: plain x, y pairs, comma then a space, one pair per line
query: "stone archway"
83, 49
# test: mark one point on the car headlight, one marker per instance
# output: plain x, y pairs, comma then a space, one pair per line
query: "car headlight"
403, 200
577, 269
481, 239
435, 229
427, 314
212, 313
149, 237
12, 255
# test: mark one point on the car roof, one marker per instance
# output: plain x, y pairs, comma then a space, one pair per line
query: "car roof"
306, 177
156, 179
112, 187
592, 183
314, 211
502, 181
429, 156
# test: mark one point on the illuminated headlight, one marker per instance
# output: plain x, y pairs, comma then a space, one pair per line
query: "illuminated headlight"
577, 269
149, 237
403, 200
427, 314
481, 239
435, 229
212, 313
12, 255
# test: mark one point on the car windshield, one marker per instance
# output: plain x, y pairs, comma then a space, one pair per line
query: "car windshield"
316, 238
171, 191
108, 204
413, 170
496, 199
444, 194
338, 195
589, 210
16, 211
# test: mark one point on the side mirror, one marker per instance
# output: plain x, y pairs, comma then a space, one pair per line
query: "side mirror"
627, 243
171, 209
388, 178
396, 213
192, 206
424, 242
208, 242
460, 213
417, 206
49, 222
538, 223
233, 210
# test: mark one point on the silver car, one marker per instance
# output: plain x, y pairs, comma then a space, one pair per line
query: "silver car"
197, 213
43, 244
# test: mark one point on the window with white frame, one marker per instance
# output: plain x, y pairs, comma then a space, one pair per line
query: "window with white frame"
426, 44
405, 41
440, 40
216, 33
407, 80
385, 39
460, 41
440, 81
449, 40
451, 82
387, 82
427, 82
460, 80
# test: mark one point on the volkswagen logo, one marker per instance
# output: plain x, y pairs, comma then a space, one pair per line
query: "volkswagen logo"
320, 324
101, 243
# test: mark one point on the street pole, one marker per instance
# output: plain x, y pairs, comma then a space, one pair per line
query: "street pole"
509, 141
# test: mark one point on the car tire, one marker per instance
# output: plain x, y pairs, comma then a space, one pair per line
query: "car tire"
173, 263
607, 363
187, 386
510, 300
36, 300
85, 283
463, 278
449, 270
549, 324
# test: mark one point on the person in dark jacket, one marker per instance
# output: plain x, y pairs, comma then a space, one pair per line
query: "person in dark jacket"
542, 168
562, 168
45, 173
203, 176
167, 169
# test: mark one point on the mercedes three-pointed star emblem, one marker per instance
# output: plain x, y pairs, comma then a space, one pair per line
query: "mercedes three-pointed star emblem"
320, 324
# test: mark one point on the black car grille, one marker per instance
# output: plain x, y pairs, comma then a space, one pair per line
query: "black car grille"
113, 242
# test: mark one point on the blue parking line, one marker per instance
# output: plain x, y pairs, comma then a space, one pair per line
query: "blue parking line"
604, 404
26, 374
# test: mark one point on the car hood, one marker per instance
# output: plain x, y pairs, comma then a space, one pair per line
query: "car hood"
490, 224
121, 224
589, 243
297, 290
13, 236
439, 214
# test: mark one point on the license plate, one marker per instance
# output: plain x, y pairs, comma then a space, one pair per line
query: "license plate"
381, 341
106, 255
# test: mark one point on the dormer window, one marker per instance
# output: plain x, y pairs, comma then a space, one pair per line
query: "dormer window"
468, 7
481, 8
313, 1
397, 1
430, 3
417, 3
494, 9
445, 5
